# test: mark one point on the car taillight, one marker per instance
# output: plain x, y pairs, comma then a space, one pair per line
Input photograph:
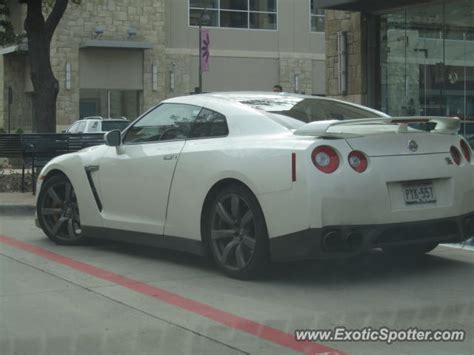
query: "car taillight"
455, 154
466, 150
325, 159
357, 161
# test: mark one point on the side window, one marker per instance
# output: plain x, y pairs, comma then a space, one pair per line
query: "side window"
209, 124
94, 126
81, 126
165, 122
73, 128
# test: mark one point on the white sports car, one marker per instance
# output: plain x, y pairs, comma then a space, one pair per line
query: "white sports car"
251, 177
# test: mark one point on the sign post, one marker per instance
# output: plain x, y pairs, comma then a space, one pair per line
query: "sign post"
203, 48
10, 102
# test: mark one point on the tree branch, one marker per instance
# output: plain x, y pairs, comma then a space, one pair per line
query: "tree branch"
55, 16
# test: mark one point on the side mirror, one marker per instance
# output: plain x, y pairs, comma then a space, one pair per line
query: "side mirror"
113, 138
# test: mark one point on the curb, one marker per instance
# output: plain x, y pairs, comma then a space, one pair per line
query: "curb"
17, 210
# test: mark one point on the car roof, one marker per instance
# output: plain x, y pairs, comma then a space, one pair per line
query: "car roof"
235, 96
114, 120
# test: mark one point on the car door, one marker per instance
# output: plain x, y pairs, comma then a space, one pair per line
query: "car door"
135, 177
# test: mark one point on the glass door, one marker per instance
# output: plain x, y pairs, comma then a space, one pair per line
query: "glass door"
109, 103
459, 58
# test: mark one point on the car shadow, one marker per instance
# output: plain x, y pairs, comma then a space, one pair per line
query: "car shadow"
372, 266
153, 253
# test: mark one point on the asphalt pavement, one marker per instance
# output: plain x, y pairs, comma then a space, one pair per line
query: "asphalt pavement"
111, 298
16, 203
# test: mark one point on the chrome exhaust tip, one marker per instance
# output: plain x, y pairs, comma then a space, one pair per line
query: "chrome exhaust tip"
332, 240
336, 241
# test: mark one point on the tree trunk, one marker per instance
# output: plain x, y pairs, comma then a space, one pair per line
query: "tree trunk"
45, 86
39, 33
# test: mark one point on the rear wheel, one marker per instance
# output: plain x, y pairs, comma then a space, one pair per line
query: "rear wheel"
236, 233
58, 212
410, 250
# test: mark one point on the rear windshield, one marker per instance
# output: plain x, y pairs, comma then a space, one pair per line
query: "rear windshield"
110, 125
307, 109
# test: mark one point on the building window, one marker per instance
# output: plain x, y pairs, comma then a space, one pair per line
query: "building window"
426, 61
109, 103
317, 17
248, 14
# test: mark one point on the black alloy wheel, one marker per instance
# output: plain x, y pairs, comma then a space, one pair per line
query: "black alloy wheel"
58, 212
237, 234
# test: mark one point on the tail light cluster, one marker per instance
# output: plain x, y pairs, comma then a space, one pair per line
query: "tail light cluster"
326, 160
466, 150
358, 161
456, 154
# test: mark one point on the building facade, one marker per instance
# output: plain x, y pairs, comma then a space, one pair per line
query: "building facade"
116, 58
403, 57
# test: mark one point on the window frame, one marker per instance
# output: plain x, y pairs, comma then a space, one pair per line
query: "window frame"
73, 128
210, 137
311, 15
218, 9
124, 133
82, 125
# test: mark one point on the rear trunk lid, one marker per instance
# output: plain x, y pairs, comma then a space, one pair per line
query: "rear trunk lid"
388, 136
410, 143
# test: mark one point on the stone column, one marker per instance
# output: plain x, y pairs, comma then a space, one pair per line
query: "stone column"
354, 24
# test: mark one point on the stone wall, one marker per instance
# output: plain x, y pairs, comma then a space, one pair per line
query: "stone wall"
21, 108
354, 24
147, 17
180, 65
116, 17
301, 67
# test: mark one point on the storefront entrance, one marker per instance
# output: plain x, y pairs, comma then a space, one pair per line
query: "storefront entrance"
427, 60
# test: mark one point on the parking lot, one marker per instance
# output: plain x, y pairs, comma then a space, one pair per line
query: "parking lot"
109, 298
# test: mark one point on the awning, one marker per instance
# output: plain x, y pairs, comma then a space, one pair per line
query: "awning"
15, 48
369, 6
100, 43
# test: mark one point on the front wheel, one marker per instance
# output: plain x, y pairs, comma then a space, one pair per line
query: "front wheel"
410, 250
58, 212
236, 233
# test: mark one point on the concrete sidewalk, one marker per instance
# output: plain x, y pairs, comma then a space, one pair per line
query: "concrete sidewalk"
13, 203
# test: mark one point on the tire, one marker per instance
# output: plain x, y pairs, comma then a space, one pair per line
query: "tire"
236, 234
58, 212
410, 250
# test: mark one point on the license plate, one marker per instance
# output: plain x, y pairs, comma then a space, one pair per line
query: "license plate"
419, 193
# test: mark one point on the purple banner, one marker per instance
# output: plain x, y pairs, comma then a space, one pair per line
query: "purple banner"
205, 50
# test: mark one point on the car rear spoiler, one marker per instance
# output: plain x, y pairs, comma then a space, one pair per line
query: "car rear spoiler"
444, 125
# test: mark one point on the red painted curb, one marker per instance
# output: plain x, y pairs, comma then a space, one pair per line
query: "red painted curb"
259, 330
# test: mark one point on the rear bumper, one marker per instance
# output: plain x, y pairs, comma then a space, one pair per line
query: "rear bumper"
339, 241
